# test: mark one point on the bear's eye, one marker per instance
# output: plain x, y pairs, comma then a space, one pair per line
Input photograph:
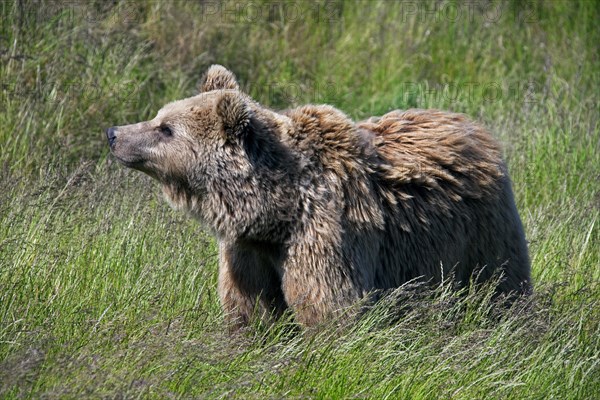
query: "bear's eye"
166, 130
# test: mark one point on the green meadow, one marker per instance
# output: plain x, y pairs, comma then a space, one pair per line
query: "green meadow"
106, 292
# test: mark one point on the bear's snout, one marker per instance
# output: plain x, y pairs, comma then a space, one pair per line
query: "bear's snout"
111, 135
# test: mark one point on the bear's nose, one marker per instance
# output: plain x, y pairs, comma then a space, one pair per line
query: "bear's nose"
111, 135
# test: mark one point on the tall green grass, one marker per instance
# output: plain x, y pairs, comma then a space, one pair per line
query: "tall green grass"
106, 292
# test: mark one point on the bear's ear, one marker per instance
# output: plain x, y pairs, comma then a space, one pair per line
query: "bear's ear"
218, 78
234, 113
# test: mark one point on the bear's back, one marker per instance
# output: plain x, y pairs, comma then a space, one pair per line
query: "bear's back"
435, 150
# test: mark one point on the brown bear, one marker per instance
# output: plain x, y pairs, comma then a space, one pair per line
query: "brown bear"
313, 211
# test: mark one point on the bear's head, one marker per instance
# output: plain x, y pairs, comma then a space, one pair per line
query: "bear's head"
184, 131
218, 155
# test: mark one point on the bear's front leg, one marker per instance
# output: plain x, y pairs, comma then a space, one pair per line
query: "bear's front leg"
318, 283
249, 286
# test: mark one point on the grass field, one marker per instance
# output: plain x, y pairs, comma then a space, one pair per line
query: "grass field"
105, 292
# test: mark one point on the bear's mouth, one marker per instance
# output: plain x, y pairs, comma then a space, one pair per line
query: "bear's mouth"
140, 165
132, 162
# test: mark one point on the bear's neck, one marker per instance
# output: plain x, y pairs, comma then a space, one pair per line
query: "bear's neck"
180, 197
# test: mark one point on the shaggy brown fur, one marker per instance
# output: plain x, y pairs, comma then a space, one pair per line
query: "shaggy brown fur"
313, 211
